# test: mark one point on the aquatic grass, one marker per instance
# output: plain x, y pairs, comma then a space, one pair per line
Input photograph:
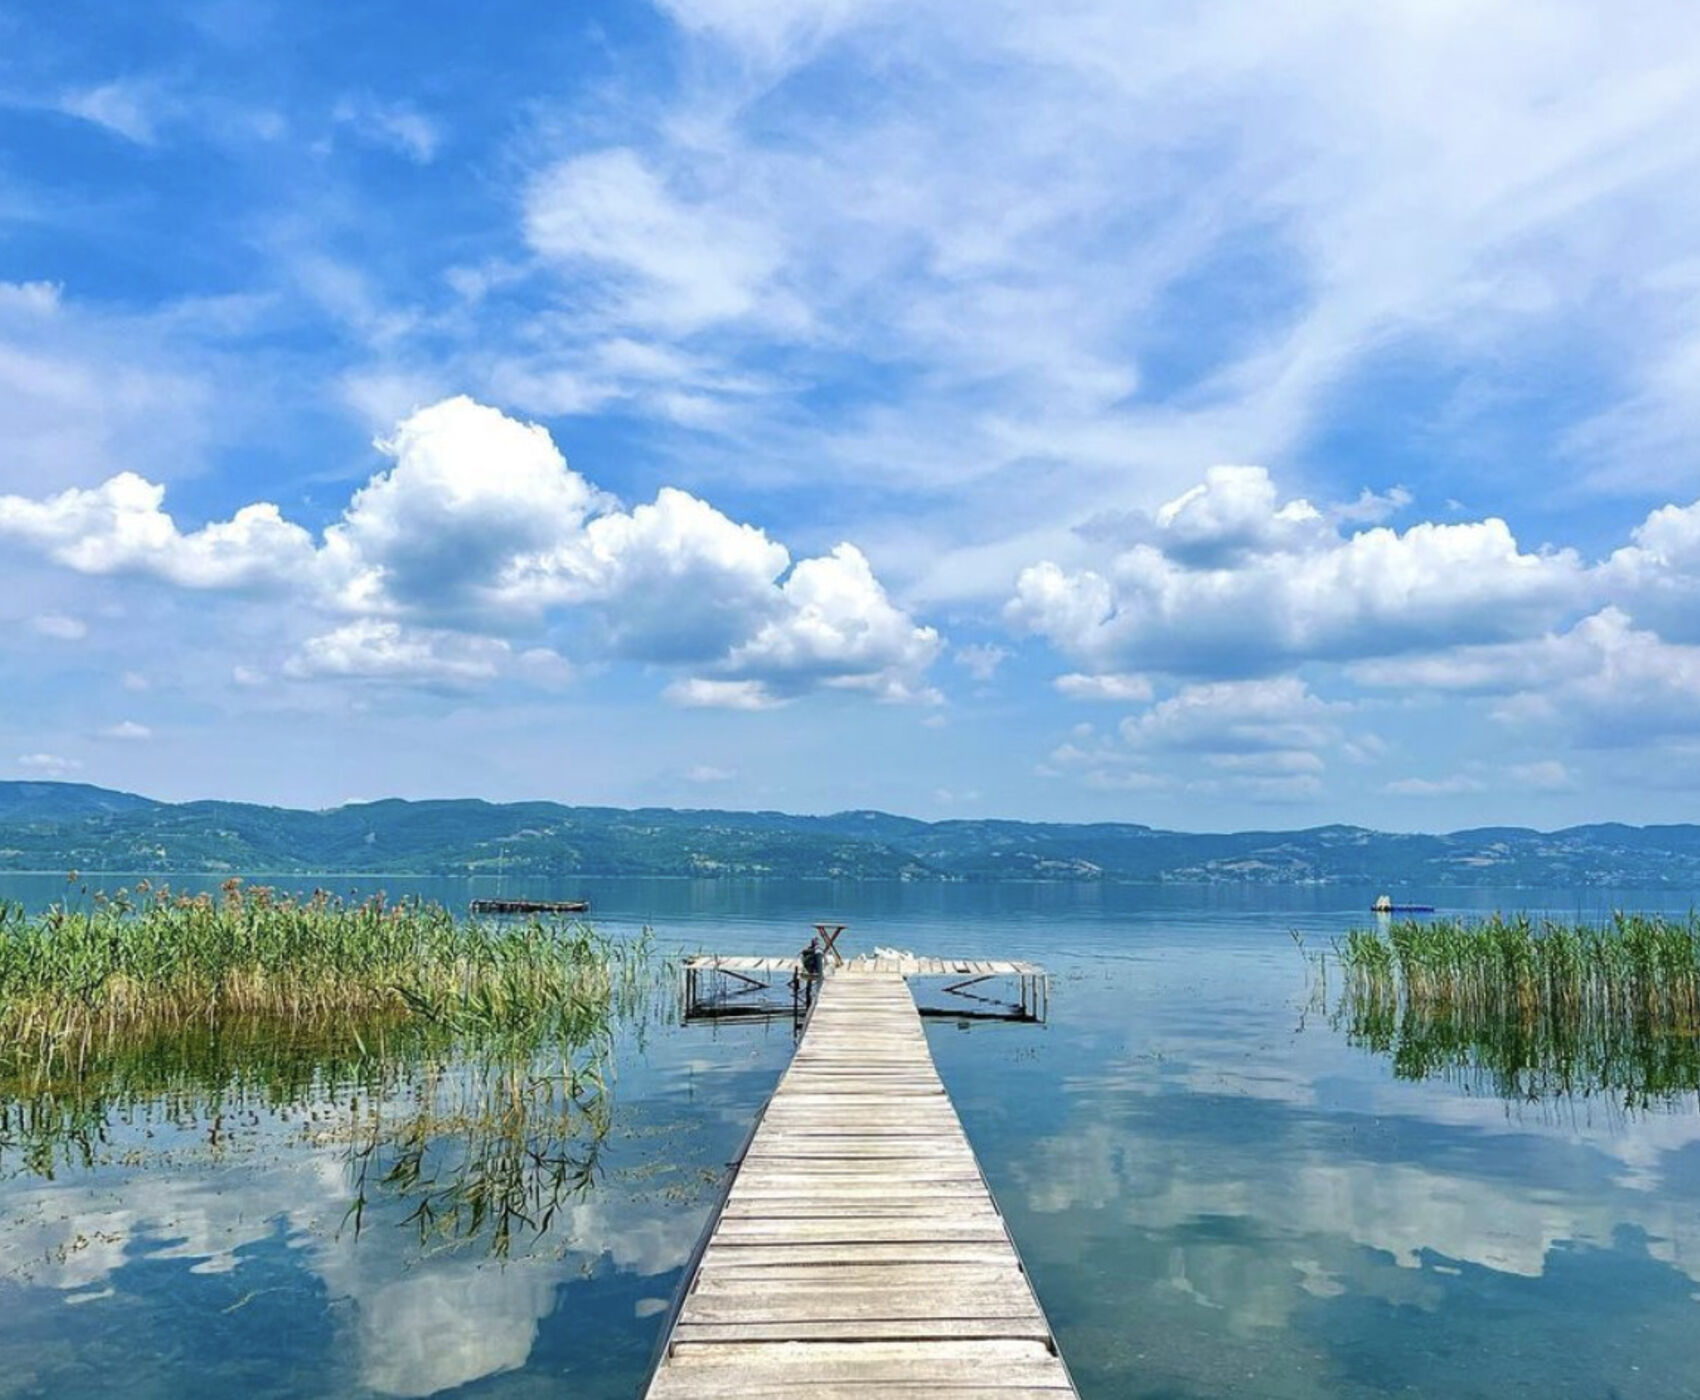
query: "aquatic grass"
1532, 1008
477, 1136
489, 1149
56, 1111
463, 1066
72, 978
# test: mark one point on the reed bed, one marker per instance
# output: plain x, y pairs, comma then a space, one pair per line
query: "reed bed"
473, 1134
463, 1066
72, 979
1530, 1008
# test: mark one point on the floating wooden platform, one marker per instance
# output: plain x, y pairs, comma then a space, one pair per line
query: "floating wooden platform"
859, 1252
530, 906
719, 986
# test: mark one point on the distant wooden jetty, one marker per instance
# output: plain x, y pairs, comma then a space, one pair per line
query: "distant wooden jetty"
1385, 905
720, 987
530, 906
859, 1252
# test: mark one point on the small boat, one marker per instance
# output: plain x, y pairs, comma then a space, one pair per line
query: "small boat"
530, 906
1385, 905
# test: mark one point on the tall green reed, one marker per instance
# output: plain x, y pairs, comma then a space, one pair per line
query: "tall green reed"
463, 1066
1530, 1008
150, 958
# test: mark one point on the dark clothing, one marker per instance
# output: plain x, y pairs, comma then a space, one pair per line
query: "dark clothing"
812, 961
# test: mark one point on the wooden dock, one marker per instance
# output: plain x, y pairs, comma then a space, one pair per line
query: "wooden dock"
899, 964
718, 985
859, 1251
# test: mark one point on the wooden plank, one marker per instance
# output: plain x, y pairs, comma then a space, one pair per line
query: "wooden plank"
896, 1329
789, 1279
827, 1169
933, 1357
958, 1368
729, 1254
889, 1230
833, 1201
757, 1300
720, 1386
798, 1205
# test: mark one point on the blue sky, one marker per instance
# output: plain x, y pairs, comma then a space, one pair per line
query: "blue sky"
1237, 416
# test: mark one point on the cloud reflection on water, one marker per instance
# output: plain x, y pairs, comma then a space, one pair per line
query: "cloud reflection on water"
1217, 1195
420, 1322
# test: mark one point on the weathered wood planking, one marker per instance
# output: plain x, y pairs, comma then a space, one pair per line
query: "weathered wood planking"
859, 1252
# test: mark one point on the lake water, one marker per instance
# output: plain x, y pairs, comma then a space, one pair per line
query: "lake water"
1215, 1192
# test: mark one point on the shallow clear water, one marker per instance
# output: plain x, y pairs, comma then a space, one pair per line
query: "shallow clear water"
1215, 1193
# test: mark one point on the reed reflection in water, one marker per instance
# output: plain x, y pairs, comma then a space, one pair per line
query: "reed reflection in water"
480, 1138
389, 1202
1530, 1010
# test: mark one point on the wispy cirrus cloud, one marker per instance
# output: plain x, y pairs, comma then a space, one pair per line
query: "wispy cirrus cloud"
129, 109
398, 126
126, 731
60, 627
1038, 342
47, 765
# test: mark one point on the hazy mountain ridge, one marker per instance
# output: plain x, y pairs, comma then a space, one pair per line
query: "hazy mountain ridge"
61, 826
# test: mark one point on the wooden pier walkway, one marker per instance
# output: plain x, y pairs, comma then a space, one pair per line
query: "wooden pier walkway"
859, 1252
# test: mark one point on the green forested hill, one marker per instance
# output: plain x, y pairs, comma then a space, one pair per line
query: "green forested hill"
63, 826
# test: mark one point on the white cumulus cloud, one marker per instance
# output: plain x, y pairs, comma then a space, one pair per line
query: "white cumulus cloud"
479, 534
33, 299
1657, 576
1078, 686
838, 628
1605, 681
378, 649
1235, 582
981, 659
698, 694
473, 499
1238, 717
1265, 738
120, 527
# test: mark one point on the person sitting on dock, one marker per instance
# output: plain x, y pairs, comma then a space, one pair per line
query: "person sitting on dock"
810, 964
813, 961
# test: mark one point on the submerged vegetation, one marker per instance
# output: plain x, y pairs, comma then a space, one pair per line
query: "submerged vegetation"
461, 1066
492, 1149
1531, 1009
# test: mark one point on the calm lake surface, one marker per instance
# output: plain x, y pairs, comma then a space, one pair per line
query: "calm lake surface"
1215, 1192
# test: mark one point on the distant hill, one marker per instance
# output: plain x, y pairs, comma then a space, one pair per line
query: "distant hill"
52, 802
65, 826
